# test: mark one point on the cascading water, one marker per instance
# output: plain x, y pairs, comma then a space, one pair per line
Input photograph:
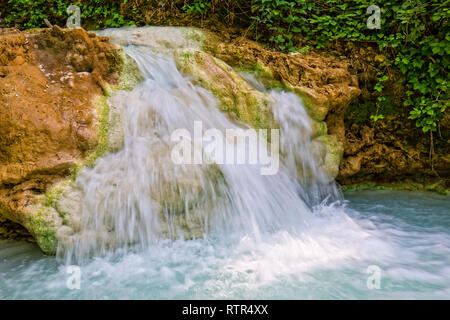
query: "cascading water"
250, 235
138, 195
299, 150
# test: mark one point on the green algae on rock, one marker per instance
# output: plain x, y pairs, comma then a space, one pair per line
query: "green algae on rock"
334, 153
236, 96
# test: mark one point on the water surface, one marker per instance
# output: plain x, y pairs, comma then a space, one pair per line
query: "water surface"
405, 234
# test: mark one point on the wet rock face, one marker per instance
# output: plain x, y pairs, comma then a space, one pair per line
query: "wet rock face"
237, 98
48, 123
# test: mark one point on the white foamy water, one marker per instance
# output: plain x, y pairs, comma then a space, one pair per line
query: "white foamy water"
137, 195
407, 235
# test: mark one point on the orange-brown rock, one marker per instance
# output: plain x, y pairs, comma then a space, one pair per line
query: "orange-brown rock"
48, 80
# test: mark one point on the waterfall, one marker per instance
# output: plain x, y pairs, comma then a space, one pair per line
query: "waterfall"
301, 154
163, 215
138, 195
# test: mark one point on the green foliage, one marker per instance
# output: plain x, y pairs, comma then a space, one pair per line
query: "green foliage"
106, 15
371, 110
381, 100
376, 117
414, 35
31, 13
304, 50
197, 8
281, 18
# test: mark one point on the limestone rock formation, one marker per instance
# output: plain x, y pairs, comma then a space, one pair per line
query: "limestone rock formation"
49, 123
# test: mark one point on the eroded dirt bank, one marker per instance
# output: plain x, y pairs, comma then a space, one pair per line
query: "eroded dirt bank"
48, 121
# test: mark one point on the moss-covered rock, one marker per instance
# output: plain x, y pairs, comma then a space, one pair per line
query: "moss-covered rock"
236, 96
130, 75
250, 102
438, 186
319, 128
43, 222
333, 154
55, 215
